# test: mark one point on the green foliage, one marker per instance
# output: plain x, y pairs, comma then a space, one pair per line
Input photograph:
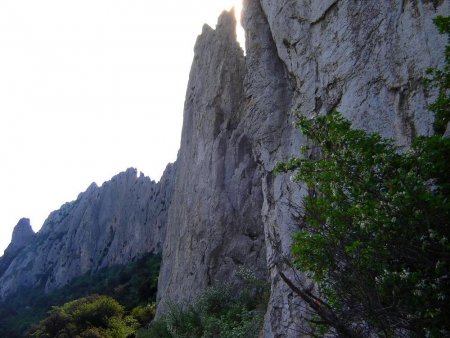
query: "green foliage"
232, 311
93, 316
132, 285
144, 314
375, 230
440, 79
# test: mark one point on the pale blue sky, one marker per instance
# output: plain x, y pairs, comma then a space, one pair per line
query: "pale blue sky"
89, 88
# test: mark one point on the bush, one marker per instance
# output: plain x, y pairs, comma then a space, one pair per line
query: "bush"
375, 230
94, 316
231, 310
29, 306
144, 314
376, 224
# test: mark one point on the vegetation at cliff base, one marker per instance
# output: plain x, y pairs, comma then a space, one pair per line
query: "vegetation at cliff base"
375, 229
234, 310
132, 285
93, 316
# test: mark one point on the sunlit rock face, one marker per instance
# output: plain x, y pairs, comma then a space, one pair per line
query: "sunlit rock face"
106, 225
363, 58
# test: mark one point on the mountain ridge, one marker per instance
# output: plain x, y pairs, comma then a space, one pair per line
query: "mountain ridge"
220, 208
105, 225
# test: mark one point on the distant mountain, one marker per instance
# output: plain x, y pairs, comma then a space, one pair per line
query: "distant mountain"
107, 225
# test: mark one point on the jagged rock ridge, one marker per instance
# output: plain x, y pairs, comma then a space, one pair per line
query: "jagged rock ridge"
106, 225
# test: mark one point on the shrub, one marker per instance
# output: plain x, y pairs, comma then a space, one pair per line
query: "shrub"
230, 310
94, 316
375, 229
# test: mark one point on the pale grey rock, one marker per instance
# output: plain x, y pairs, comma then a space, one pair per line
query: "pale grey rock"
106, 225
365, 59
22, 235
214, 226
447, 131
221, 207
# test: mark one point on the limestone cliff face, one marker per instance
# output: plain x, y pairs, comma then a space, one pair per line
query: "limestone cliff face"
106, 225
214, 226
22, 235
363, 58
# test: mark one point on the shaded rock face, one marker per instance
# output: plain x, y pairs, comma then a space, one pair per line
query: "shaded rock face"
363, 58
106, 225
22, 235
214, 227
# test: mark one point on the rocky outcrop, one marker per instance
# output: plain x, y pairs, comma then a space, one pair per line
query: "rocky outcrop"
214, 226
22, 235
365, 59
106, 225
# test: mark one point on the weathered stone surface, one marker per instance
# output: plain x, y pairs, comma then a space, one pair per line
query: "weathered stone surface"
223, 206
106, 225
215, 224
22, 235
363, 58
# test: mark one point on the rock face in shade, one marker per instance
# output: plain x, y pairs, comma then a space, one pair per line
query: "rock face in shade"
22, 235
365, 59
214, 227
106, 225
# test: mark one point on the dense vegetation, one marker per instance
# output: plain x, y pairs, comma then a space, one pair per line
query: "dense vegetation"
234, 310
119, 301
133, 285
376, 225
93, 316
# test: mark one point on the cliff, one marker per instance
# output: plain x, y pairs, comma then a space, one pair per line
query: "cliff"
365, 59
106, 225
222, 209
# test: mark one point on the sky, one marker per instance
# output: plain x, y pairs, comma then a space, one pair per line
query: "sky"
89, 88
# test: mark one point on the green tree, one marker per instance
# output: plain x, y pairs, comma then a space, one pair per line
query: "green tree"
93, 316
375, 228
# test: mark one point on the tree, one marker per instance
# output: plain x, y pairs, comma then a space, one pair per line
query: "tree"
92, 316
375, 229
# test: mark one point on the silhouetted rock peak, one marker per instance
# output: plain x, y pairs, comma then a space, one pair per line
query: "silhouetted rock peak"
22, 235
